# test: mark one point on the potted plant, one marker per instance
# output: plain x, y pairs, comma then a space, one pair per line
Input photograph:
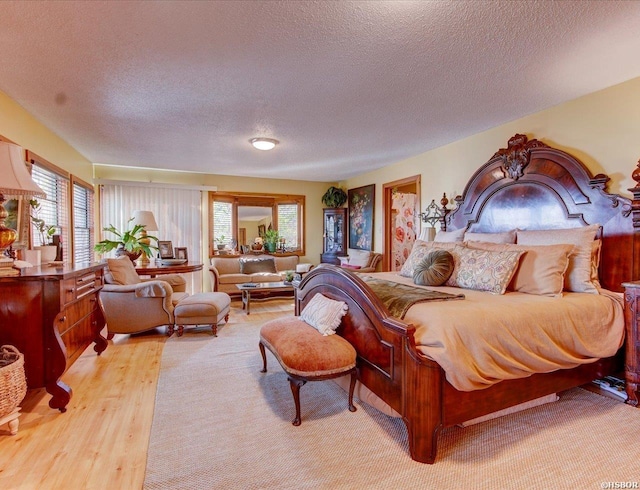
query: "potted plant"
221, 242
48, 251
334, 197
129, 242
271, 238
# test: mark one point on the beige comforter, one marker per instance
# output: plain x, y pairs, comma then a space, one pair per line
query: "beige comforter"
487, 338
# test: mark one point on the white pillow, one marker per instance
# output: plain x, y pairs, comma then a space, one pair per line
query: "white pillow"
502, 237
359, 257
324, 314
450, 236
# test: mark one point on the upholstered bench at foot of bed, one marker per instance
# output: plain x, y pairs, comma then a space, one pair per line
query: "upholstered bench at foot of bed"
201, 309
306, 355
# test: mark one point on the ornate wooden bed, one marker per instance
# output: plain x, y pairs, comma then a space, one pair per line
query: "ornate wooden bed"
505, 193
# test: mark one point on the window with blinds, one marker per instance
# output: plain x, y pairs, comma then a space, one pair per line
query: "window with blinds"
288, 224
222, 222
52, 209
83, 197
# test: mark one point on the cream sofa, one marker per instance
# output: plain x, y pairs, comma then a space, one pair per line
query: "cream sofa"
227, 271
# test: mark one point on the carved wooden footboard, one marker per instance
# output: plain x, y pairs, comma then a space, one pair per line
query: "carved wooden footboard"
510, 191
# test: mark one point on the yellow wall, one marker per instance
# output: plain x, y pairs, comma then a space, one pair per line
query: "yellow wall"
22, 128
602, 129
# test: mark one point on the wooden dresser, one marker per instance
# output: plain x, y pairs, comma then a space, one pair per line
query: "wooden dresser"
51, 314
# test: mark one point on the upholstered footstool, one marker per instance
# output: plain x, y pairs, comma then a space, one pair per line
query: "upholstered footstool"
201, 309
306, 355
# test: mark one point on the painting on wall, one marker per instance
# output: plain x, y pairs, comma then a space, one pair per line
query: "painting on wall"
361, 201
18, 219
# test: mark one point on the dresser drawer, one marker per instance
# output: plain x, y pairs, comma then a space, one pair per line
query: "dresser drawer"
78, 310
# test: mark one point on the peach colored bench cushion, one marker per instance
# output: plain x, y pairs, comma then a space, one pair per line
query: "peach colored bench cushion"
303, 351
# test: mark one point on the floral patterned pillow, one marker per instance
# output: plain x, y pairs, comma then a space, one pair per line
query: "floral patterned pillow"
483, 270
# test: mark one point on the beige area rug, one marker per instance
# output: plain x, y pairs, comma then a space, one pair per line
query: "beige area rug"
221, 424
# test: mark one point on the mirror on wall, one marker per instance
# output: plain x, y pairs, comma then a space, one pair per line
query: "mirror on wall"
253, 221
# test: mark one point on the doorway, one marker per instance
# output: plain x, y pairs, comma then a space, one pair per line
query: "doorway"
401, 201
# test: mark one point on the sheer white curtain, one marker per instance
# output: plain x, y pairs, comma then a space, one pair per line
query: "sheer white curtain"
177, 211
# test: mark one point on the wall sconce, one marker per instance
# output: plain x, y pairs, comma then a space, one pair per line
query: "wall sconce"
433, 215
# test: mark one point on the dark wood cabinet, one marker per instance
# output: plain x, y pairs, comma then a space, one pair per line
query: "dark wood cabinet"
632, 342
51, 315
334, 234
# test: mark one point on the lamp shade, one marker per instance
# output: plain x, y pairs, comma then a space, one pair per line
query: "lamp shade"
15, 179
146, 219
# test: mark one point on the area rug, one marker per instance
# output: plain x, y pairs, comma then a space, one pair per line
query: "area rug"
221, 424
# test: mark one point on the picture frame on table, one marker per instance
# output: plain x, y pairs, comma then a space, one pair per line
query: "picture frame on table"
18, 220
361, 206
181, 253
165, 248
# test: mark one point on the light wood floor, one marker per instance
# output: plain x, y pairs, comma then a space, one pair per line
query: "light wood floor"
101, 441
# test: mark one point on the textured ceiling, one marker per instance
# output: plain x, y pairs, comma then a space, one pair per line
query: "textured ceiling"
346, 87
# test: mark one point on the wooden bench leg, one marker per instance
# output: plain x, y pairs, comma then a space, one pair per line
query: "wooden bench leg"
264, 358
352, 385
295, 384
214, 329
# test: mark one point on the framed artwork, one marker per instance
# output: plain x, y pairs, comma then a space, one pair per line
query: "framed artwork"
18, 219
181, 253
261, 230
166, 249
361, 202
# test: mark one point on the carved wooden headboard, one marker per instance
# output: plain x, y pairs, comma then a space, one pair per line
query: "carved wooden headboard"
530, 185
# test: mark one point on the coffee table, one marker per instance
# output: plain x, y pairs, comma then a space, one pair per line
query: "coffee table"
262, 291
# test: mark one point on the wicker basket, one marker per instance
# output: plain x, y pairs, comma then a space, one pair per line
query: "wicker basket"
13, 382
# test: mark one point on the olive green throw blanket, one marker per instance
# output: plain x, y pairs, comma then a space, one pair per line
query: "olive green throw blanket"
398, 298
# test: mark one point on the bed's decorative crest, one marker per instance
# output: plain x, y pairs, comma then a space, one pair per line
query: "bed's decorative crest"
517, 155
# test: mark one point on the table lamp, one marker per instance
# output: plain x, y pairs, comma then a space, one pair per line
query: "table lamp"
16, 181
145, 219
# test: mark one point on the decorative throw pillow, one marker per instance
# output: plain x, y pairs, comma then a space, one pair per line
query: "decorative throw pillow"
346, 265
359, 257
502, 237
450, 236
324, 314
579, 275
123, 271
419, 251
483, 270
255, 266
434, 269
542, 267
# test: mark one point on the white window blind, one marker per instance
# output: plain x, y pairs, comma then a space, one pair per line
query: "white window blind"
177, 212
54, 209
222, 222
288, 225
83, 240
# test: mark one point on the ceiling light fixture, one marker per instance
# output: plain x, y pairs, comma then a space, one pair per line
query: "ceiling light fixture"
264, 143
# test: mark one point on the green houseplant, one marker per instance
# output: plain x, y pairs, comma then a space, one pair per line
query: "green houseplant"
334, 197
129, 242
271, 238
45, 231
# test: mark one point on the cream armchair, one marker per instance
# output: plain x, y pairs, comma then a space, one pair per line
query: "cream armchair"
360, 260
131, 304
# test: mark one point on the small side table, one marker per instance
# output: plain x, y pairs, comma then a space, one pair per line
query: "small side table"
632, 342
